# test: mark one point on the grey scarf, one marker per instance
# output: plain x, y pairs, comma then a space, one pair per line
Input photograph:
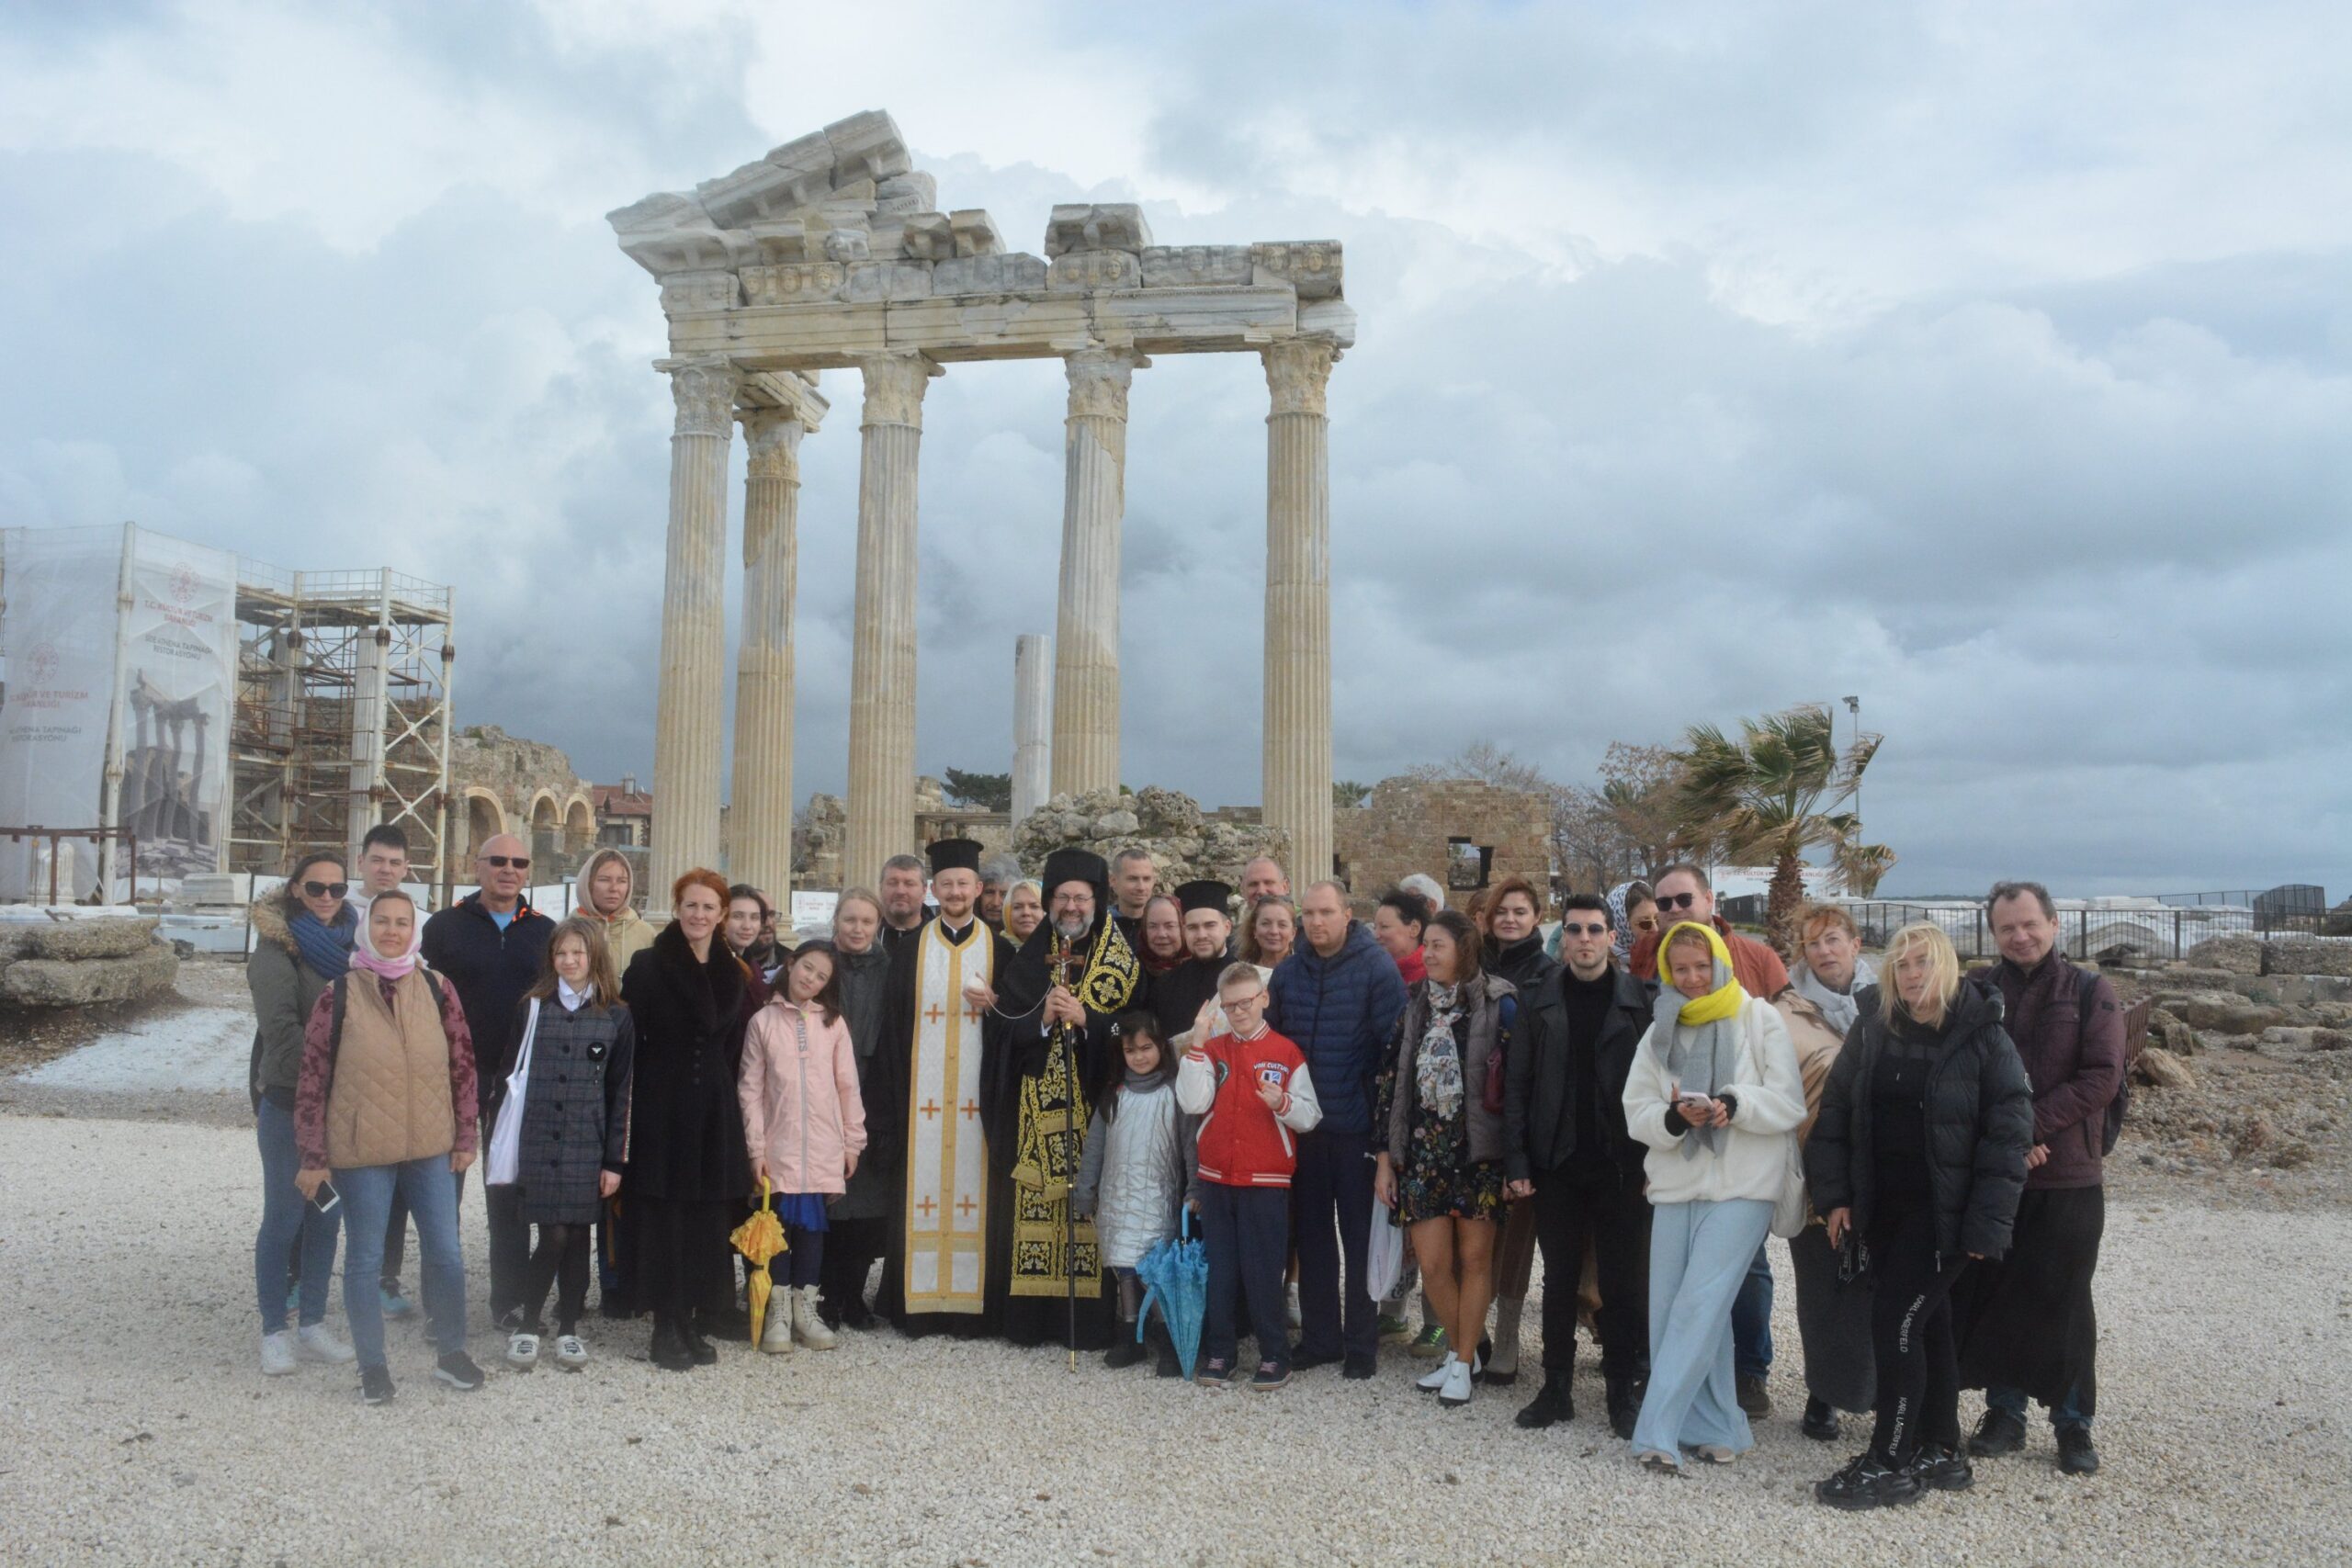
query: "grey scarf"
1839, 1007
1699, 1057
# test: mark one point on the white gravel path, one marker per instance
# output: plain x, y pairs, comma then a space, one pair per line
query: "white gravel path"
139, 1429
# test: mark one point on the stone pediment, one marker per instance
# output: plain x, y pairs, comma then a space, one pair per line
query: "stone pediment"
834, 245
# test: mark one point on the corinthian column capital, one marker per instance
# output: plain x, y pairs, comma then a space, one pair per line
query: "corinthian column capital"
706, 398
895, 384
771, 437
1099, 379
1296, 370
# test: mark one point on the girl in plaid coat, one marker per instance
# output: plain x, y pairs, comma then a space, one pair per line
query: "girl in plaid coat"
562, 1134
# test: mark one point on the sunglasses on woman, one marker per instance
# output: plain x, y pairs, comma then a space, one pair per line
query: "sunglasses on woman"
326, 889
1646, 924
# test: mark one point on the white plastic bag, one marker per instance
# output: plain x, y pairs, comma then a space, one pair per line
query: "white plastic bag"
1384, 1260
506, 1135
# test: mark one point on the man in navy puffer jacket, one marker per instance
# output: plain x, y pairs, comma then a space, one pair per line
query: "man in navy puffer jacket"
1337, 996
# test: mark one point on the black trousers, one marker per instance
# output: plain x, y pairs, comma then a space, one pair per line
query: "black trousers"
1244, 1231
1606, 1207
1911, 1339
852, 1247
561, 1257
510, 1249
1332, 1188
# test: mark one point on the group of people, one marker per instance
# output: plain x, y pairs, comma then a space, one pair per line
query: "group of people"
1008, 1092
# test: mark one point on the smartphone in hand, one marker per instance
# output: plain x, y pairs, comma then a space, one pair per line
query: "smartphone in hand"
326, 1198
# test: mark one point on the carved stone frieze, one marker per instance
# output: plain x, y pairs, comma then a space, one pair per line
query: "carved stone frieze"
1014, 273
1076, 271
682, 292
1196, 267
797, 283
888, 280
1311, 267
1082, 226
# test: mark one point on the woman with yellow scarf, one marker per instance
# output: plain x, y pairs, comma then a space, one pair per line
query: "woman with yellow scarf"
1715, 1093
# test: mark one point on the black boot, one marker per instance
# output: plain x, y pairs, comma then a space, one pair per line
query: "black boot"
1820, 1421
669, 1348
1552, 1403
700, 1350
1170, 1366
1125, 1349
1625, 1397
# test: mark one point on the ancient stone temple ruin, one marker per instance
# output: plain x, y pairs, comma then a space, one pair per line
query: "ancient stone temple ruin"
832, 252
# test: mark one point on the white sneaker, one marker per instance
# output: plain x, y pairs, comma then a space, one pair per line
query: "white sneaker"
277, 1357
317, 1342
1435, 1378
569, 1353
522, 1351
806, 1326
1457, 1391
775, 1333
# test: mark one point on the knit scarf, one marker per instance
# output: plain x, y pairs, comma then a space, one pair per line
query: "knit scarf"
1698, 1037
1838, 1007
325, 947
1437, 1067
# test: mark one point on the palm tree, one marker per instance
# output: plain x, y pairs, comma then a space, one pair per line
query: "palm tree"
1778, 790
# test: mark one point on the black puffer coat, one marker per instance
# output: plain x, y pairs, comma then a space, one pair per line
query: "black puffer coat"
1980, 1124
685, 1125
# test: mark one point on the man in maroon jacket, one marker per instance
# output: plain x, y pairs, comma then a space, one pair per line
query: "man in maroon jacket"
2031, 1331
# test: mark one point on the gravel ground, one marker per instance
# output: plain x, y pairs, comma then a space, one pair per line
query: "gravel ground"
142, 1430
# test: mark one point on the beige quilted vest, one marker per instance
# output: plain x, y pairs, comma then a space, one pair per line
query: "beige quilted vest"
390, 1100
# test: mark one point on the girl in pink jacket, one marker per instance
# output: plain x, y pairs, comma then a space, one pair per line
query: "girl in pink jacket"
804, 1126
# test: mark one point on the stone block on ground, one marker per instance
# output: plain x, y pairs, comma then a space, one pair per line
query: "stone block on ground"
2160, 1069
114, 937
62, 982
2222, 1013
2239, 955
2308, 955
2171, 1033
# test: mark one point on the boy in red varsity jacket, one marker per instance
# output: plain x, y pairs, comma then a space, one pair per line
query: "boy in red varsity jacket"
1252, 1092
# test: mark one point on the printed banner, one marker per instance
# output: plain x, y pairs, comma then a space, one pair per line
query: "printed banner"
59, 631
179, 688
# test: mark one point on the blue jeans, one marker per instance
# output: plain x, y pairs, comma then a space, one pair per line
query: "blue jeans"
431, 1199
285, 1214
1699, 1253
2067, 1412
1751, 1320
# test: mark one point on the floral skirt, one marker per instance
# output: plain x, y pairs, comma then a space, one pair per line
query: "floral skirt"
1440, 1179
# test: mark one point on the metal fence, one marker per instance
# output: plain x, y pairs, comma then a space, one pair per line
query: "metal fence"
2093, 932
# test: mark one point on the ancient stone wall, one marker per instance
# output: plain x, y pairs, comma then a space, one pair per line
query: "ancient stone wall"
1408, 824
1184, 842
504, 784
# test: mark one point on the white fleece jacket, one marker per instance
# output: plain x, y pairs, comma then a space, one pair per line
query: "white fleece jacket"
1750, 1157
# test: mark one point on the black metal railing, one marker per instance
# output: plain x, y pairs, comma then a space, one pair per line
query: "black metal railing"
2168, 931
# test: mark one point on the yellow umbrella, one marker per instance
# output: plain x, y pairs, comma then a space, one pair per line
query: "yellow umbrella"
760, 1238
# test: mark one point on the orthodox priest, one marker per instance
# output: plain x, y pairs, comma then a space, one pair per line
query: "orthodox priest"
931, 1105
1177, 995
1057, 1050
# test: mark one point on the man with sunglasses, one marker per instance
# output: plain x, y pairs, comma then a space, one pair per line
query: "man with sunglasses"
490, 945
1567, 1148
1684, 893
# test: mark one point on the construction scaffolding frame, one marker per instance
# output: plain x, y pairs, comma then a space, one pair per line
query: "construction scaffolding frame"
343, 716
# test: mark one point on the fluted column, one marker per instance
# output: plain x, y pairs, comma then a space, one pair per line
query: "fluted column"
688, 720
1297, 739
882, 657
1086, 634
761, 802
1032, 723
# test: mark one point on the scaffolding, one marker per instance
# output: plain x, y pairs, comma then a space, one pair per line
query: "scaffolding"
343, 716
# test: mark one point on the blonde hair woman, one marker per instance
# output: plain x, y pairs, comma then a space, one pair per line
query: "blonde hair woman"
1919, 1157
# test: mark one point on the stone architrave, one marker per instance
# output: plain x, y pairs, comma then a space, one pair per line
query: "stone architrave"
1297, 739
882, 653
761, 800
686, 737
1032, 723
1086, 633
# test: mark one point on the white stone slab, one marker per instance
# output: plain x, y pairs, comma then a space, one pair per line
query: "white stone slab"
197, 1051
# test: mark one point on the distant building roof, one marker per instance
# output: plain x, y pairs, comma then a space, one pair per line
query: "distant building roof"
619, 800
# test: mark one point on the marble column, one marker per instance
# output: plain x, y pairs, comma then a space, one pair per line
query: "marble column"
688, 717
760, 801
1032, 723
882, 655
1297, 737
1086, 633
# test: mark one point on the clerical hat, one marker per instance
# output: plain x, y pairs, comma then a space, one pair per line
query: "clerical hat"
1215, 895
954, 854
1074, 865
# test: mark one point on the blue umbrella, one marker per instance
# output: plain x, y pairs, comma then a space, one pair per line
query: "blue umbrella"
1177, 1274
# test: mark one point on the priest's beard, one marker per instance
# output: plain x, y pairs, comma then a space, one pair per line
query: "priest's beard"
1073, 927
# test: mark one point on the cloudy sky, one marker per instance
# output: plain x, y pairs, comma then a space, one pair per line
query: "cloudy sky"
1991, 362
